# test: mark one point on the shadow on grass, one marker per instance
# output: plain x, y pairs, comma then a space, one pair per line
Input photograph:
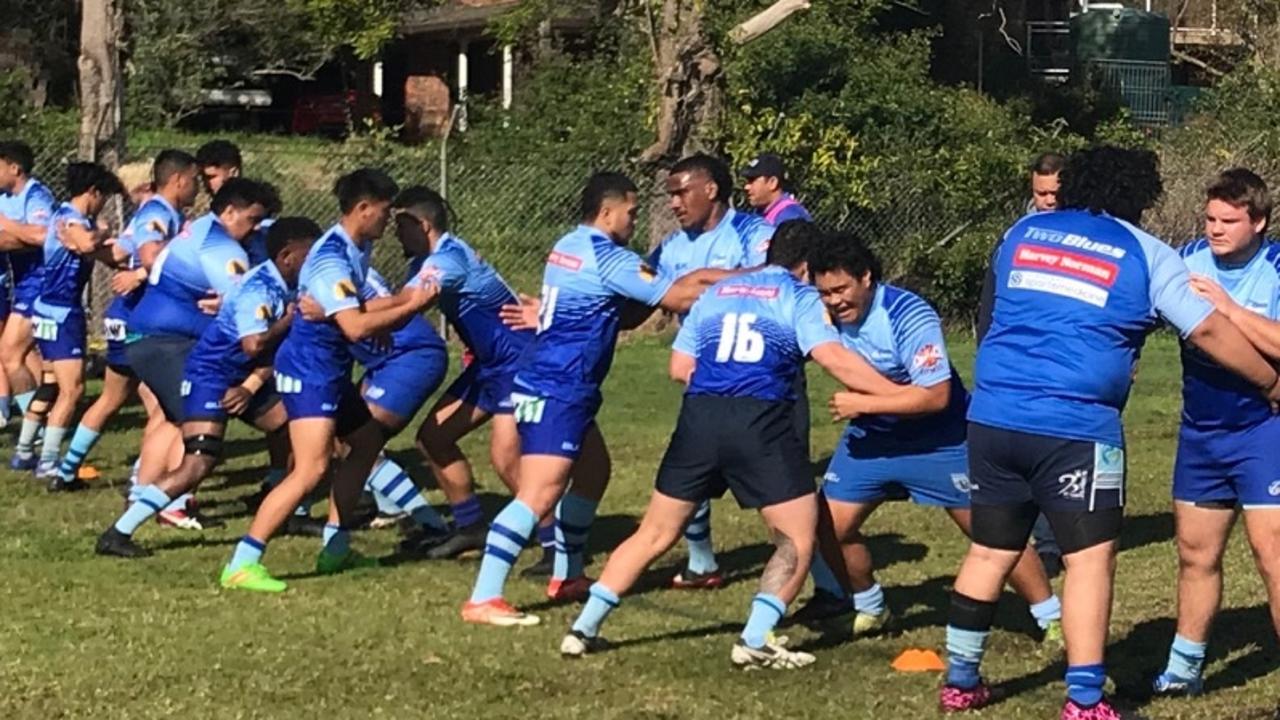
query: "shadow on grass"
194, 542
704, 631
1140, 655
925, 605
1142, 530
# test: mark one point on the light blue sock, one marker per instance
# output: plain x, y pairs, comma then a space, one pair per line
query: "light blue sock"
870, 601
6, 410
248, 551
179, 503
27, 438
1084, 683
600, 603
82, 442
574, 515
702, 557
1186, 658
964, 656
388, 480
508, 533
52, 444
23, 401
150, 501
766, 611
823, 578
1047, 611
337, 541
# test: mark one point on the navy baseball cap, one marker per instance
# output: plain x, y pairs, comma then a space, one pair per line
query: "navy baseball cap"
766, 165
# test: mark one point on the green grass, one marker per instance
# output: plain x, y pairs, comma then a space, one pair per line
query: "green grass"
87, 637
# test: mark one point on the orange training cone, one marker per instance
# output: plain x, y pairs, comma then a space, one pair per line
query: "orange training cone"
915, 660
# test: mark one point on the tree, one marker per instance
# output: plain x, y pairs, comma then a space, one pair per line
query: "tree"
101, 82
689, 72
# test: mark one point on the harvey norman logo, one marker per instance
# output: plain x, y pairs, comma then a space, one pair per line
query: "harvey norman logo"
1074, 241
1076, 265
751, 291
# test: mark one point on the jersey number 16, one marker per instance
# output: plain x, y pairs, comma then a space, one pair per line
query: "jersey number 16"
738, 341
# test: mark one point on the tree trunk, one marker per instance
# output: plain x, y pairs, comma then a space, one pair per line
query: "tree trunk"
101, 108
101, 82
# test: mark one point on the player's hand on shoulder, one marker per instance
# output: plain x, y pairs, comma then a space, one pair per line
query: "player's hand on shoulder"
311, 309
523, 315
1206, 288
419, 295
845, 406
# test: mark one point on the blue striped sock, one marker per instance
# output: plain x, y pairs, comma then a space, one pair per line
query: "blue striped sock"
507, 536
1084, 683
600, 603
702, 557
1186, 658
467, 513
82, 442
547, 537
574, 515
150, 501
248, 551
389, 480
766, 611
964, 656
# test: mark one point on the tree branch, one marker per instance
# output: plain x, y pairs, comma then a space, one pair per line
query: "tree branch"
766, 20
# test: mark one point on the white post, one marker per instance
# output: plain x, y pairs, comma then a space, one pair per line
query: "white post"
508, 72
377, 78
462, 87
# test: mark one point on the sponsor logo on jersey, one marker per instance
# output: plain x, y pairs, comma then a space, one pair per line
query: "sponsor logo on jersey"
344, 289
750, 291
1060, 286
1074, 241
236, 267
263, 312
927, 357
565, 260
1081, 267
647, 273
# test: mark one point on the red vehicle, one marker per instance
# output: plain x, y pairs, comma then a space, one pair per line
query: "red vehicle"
334, 113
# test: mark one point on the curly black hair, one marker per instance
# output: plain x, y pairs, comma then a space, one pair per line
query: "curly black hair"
1117, 181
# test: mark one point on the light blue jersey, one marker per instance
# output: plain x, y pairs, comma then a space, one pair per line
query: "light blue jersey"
155, 221
588, 280
751, 334
334, 274
260, 300
203, 259
901, 337
32, 205
1213, 397
738, 240
471, 295
1075, 296
66, 273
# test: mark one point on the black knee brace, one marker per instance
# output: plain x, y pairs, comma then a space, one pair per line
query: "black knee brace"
46, 393
967, 613
207, 445
1003, 527
1076, 530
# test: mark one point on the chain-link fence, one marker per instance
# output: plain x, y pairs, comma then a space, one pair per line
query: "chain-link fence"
510, 208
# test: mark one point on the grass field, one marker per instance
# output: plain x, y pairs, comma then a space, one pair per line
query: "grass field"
88, 637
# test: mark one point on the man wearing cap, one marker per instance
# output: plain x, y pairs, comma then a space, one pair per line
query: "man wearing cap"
766, 177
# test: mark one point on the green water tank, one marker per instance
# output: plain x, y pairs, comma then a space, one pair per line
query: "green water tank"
1113, 32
